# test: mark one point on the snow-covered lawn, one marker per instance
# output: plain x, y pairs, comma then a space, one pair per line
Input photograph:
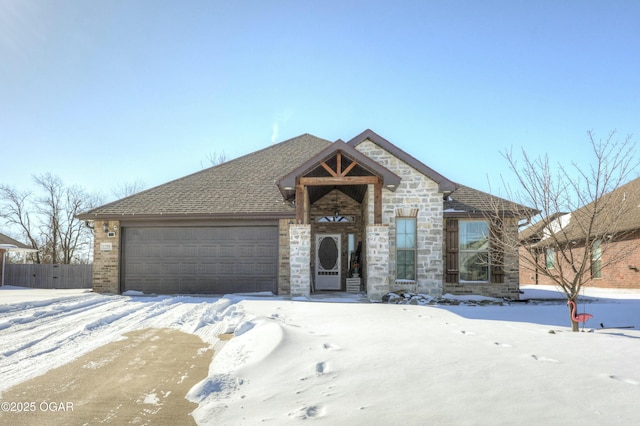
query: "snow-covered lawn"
339, 360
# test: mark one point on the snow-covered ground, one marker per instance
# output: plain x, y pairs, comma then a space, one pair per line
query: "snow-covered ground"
339, 360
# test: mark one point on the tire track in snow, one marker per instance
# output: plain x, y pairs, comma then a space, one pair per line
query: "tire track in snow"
36, 337
31, 347
52, 325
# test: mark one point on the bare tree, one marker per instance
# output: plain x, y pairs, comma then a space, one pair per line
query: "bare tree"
128, 188
15, 210
583, 213
216, 158
48, 220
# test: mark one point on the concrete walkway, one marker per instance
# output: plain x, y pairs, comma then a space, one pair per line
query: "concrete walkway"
140, 380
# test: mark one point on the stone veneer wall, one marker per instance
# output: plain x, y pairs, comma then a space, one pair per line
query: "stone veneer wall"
106, 263
300, 260
415, 191
284, 252
377, 268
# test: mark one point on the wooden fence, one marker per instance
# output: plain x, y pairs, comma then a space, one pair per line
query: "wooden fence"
48, 276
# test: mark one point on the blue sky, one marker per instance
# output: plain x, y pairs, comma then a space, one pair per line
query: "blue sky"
106, 92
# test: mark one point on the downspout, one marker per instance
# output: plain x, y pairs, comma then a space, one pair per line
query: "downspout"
4, 254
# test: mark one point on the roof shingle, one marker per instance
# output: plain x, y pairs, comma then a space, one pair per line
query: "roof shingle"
245, 186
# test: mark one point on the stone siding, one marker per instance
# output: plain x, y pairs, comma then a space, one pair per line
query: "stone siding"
300, 260
106, 258
377, 269
415, 192
284, 251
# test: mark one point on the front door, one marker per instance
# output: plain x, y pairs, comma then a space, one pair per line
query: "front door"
328, 261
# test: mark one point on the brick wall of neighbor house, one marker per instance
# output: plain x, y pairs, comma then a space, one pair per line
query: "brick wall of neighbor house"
300, 258
106, 262
527, 276
284, 272
626, 272
415, 191
623, 274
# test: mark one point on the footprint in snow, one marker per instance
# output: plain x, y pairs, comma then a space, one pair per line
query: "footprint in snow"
308, 412
543, 358
502, 345
330, 347
621, 379
321, 368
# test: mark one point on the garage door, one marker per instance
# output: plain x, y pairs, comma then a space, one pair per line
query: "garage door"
231, 259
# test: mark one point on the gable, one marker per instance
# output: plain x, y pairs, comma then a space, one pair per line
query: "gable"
445, 185
339, 165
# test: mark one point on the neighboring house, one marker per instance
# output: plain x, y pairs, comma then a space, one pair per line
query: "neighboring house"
8, 244
614, 261
302, 216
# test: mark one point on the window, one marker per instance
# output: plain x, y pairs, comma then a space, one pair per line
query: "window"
596, 260
474, 251
337, 218
550, 258
406, 248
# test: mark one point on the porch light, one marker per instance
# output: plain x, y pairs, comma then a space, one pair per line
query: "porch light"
105, 227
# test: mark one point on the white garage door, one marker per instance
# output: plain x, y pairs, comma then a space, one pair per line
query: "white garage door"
214, 260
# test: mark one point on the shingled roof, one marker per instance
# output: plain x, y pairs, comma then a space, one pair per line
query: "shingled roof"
243, 187
536, 231
7, 242
618, 213
471, 202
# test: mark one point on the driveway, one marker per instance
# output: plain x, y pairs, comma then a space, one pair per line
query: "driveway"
142, 380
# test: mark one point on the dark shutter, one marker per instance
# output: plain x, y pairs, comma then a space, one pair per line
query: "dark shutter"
452, 273
496, 247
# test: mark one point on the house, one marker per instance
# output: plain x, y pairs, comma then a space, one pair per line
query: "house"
303, 216
613, 243
8, 244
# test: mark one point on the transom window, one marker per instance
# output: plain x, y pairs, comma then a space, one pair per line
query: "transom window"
474, 250
406, 248
336, 218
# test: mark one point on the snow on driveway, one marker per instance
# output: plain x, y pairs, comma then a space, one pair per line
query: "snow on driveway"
360, 363
38, 335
